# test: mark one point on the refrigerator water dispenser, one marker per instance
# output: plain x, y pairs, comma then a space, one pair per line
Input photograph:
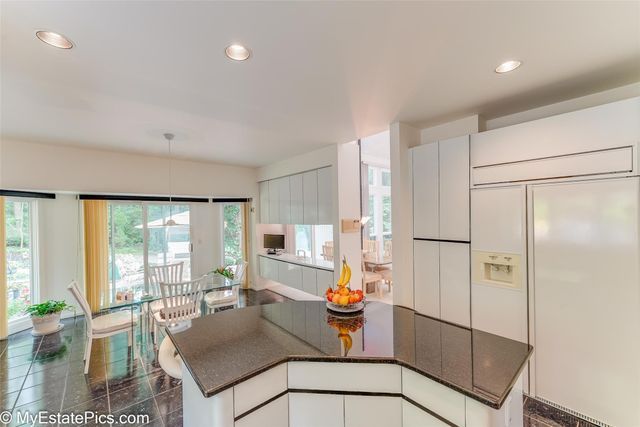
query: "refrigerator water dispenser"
496, 269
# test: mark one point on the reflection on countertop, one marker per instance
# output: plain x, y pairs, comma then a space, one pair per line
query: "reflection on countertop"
226, 348
305, 261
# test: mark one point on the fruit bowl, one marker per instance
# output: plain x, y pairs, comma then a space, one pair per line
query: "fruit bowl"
349, 308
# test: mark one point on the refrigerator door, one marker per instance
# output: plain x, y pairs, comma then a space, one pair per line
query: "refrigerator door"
586, 292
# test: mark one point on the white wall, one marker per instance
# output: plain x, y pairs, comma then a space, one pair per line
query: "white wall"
31, 166
463, 126
70, 170
305, 162
403, 137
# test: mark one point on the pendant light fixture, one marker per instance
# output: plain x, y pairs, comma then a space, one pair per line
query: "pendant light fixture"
170, 222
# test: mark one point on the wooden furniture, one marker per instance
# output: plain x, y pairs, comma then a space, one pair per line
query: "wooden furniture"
369, 276
181, 301
227, 297
103, 326
327, 251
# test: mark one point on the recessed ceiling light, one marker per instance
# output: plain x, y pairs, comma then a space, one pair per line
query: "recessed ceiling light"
54, 39
507, 66
237, 52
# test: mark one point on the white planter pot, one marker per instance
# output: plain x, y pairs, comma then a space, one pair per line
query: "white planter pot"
44, 325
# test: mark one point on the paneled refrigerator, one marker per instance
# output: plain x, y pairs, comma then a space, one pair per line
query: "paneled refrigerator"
580, 265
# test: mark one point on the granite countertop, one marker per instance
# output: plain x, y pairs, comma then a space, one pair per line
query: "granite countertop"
226, 348
306, 261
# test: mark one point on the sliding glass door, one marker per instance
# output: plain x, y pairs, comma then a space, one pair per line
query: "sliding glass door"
139, 238
233, 229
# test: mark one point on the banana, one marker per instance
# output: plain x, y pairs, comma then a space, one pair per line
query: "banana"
347, 341
341, 282
347, 276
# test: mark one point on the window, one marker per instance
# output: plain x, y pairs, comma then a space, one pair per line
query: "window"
138, 238
304, 239
232, 233
21, 251
386, 178
378, 205
311, 239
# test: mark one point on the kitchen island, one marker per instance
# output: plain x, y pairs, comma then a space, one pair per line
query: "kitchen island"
296, 364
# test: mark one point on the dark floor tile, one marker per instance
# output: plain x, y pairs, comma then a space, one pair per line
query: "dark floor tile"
161, 382
30, 408
43, 392
79, 390
169, 401
146, 407
130, 395
99, 405
174, 419
157, 423
9, 386
7, 400
46, 374
541, 412
15, 372
13, 351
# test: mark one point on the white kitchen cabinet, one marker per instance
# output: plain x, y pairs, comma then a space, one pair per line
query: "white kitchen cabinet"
453, 182
426, 255
372, 411
284, 200
260, 388
325, 196
297, 196
316, 410
425, 191
290, 274
273, 414
310, 197
264, 202
274, 202
412, 416
309, 280
366, 377
325, 280
455, 283
269, 268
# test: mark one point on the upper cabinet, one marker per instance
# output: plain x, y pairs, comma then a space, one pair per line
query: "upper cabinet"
297, 203
310, 197
441, 190
264, 202
305, 198
325, 196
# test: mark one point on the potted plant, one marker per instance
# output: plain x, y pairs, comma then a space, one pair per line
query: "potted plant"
46, 316
226, 272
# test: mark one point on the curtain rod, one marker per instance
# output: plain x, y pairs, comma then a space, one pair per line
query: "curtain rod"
30, 194
230, 199
142, 198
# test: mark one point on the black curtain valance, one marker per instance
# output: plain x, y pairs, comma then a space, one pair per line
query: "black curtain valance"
134, 198
29, 194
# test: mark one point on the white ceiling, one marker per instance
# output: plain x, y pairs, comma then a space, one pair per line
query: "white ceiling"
321, 72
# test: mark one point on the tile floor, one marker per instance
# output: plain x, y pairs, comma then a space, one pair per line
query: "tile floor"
46, 373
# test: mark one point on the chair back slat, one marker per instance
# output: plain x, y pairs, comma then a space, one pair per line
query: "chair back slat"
181, 300
169, 273
82, 302
239, 272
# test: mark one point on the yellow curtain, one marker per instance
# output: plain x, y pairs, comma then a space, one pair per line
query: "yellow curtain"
4, 315
96, 252
246, 210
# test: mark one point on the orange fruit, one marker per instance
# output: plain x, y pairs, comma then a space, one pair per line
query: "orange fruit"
344, 300
335, 299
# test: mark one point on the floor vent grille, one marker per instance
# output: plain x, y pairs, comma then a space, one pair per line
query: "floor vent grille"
572, 412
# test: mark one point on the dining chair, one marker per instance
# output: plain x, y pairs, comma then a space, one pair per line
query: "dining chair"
227, 297
387, 277
369, 277
169, 273
103, 326
327, 251
180, 301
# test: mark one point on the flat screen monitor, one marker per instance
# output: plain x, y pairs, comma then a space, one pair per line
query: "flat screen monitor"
274, 241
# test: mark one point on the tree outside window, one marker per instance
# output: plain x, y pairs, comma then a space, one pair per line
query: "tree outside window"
232, 240
19, 253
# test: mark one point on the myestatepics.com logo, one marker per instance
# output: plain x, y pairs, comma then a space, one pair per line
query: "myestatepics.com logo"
45, 417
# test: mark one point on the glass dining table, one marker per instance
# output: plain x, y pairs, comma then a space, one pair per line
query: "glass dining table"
139, 301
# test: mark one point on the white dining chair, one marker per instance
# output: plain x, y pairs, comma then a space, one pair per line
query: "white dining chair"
180, 302
169, 273
369, 277
227, 297
103, 326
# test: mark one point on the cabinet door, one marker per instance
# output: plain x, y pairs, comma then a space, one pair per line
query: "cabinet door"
325, 280
310, 196
264, 268
316, 410
412, 416
455, 283
325, 196
425, 191
372, 411
264, 202
454, 188
309, 280
284, 200
426, 280
272, 269
297, 209
274, 202
274, 414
